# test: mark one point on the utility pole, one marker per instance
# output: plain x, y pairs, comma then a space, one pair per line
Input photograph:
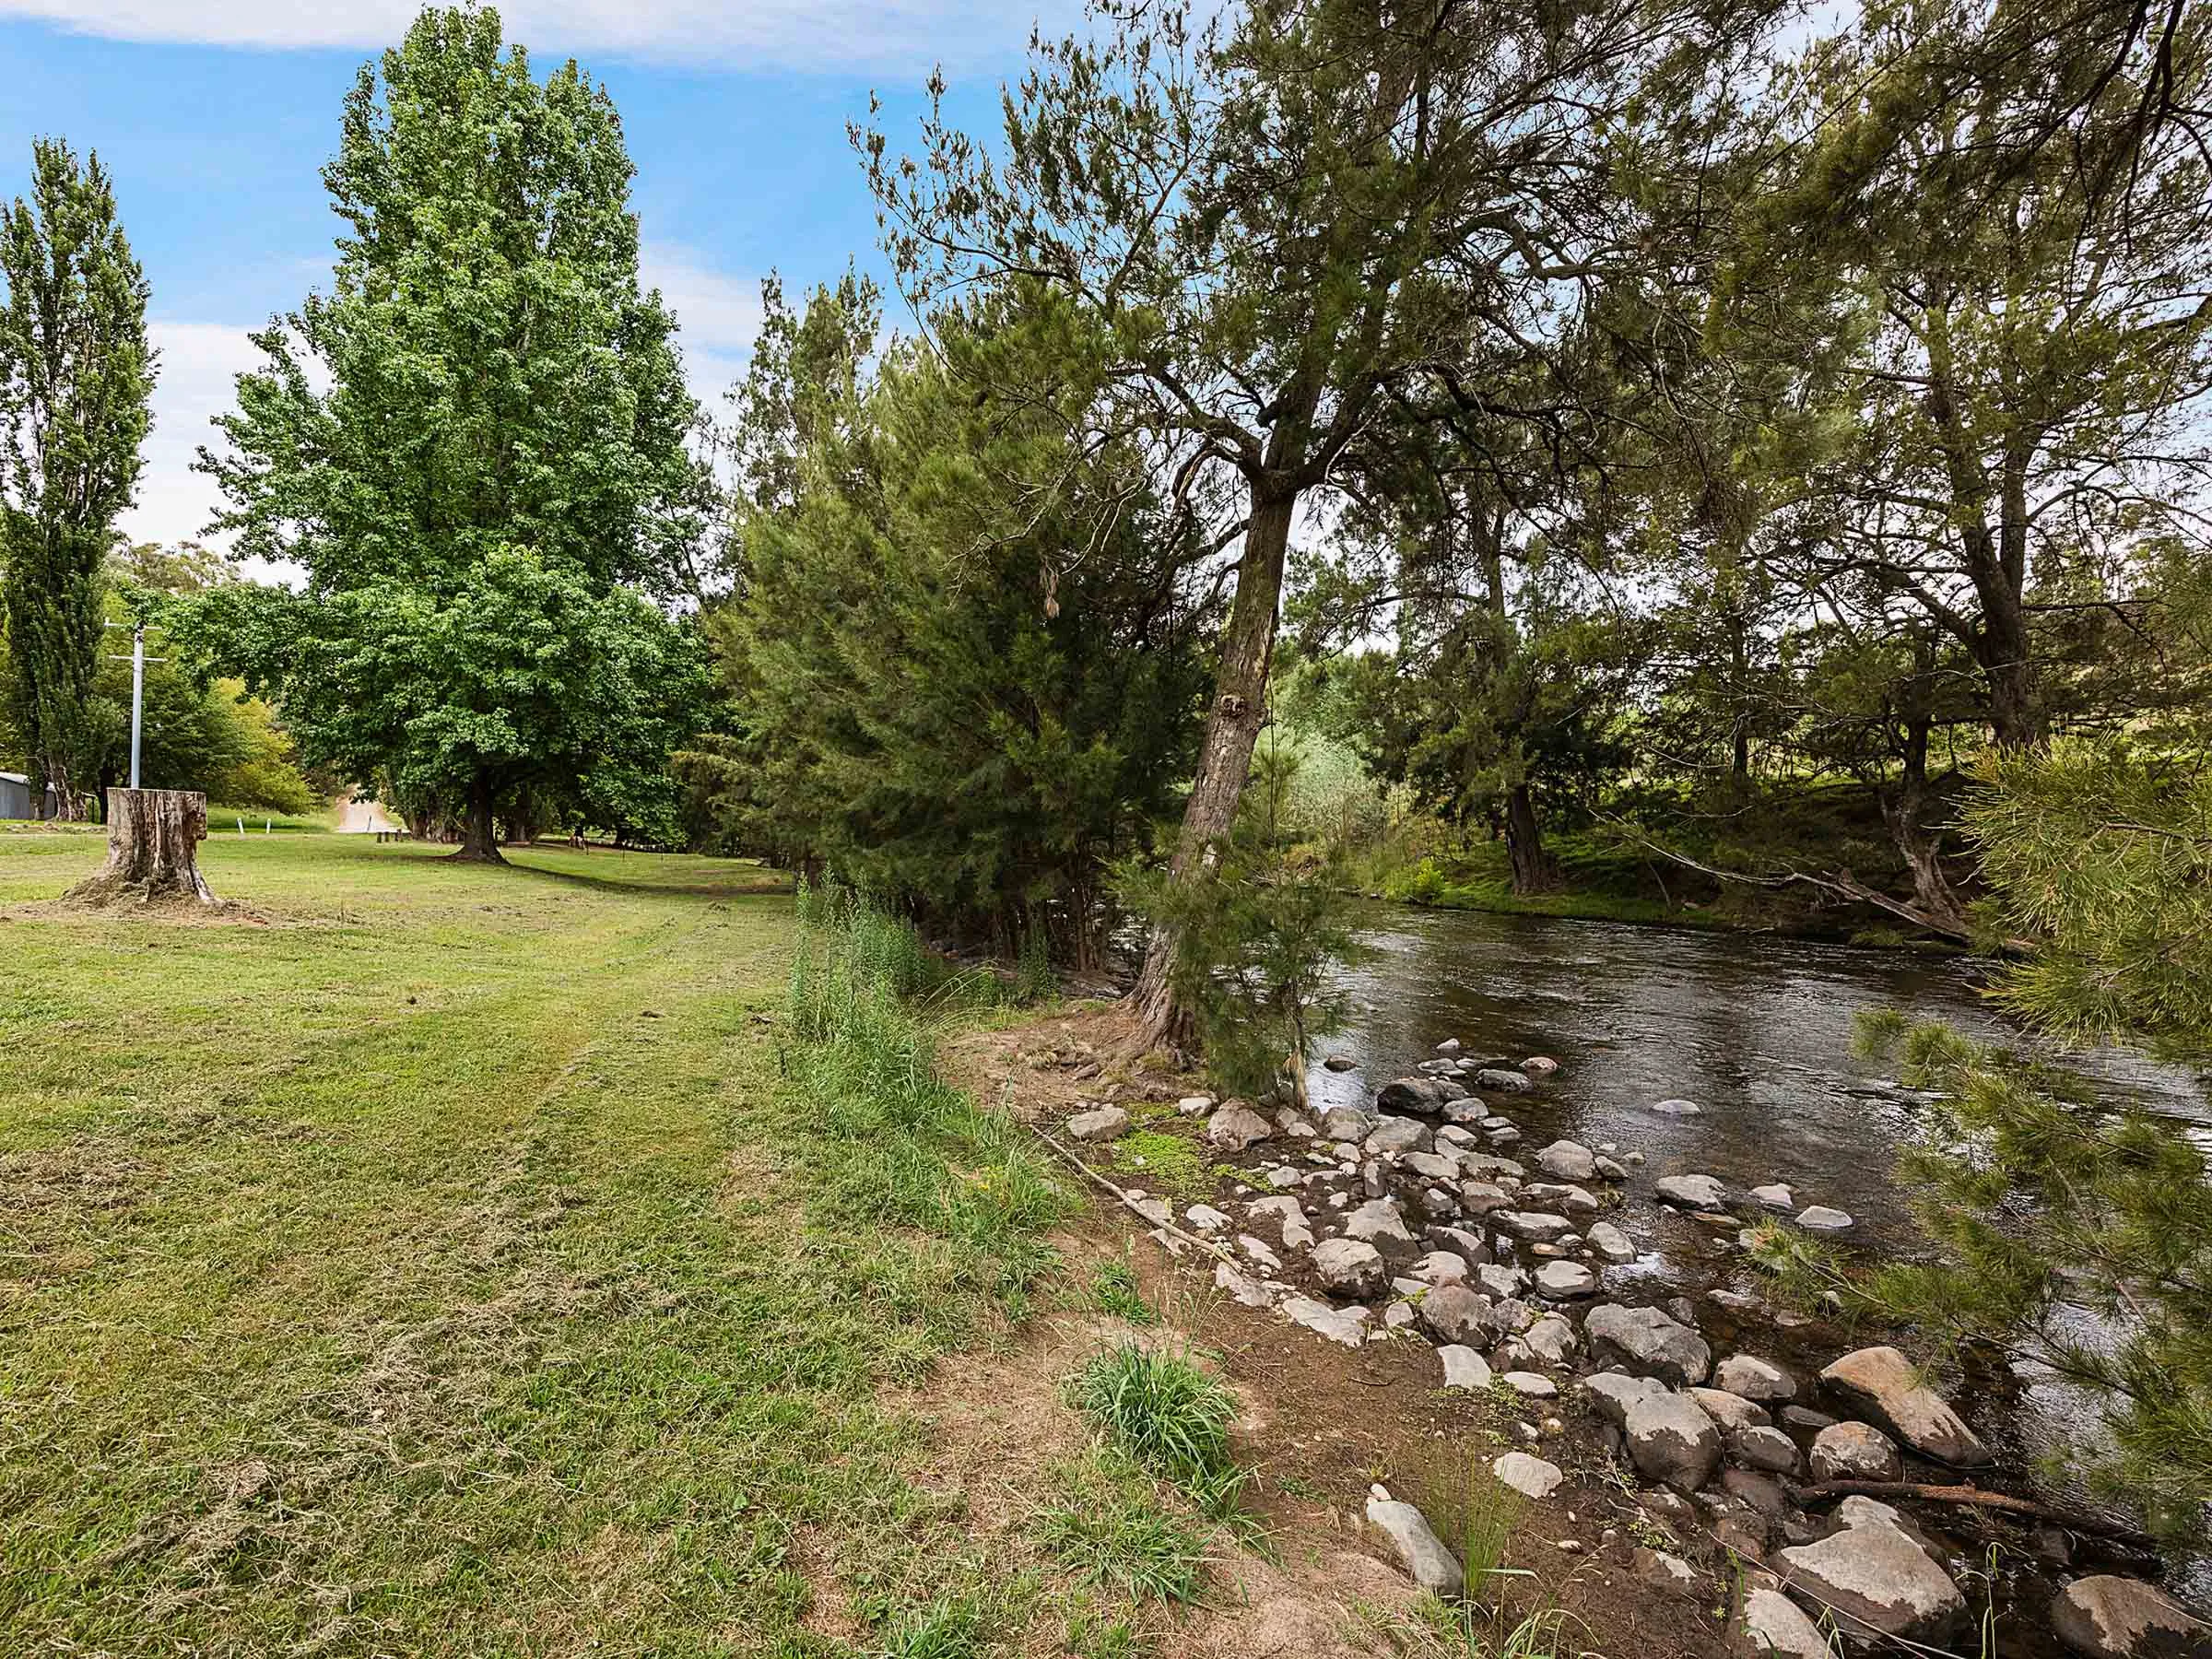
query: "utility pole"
139, 662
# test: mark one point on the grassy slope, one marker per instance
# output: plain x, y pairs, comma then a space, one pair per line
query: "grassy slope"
393, 1280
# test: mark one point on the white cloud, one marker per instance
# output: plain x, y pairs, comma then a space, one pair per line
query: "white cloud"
717, 316
730, 34
200, 362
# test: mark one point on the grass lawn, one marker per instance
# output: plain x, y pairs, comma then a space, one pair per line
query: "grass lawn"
443, 1269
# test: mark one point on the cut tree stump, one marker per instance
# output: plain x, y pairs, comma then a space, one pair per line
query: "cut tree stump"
153, 839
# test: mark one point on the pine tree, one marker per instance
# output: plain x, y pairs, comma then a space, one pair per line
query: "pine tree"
75, 376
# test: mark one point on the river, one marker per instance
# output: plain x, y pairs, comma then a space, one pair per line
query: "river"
1757, 1031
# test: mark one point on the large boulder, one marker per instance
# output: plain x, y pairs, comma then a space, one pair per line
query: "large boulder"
1430, 1095
1392, 1134
1348, 1123
1855, 1452
1877, 1580
1433, 1567
1616, 1394
1567, 1160
1883, 1383
1350, 1266
1237, 1126
2105, 1617
1454, 1313
1648, 1343
1378, 1218
1672, 1441
1693, 1192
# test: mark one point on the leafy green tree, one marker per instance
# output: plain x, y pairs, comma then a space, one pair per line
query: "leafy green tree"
953, 692
1270, 225
497, 477
75, 375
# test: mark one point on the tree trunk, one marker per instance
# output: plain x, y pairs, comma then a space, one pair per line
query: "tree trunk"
153, 837
1532, 868
1232, 729
1905, 809
479, 836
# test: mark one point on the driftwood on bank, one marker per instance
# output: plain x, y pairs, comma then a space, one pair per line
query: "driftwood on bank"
1976, 1498
153, 851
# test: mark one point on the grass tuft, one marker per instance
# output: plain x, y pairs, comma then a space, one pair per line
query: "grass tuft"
1112, 1530
1169, 1417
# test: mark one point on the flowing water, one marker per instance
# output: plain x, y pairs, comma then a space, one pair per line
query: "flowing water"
1756, 1031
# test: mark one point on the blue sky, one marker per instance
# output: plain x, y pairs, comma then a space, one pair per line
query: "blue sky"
215, 117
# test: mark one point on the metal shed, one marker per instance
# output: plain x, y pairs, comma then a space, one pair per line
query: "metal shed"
15, 795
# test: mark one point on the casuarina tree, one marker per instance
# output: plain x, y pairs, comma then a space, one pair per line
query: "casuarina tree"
473, 445
76, 372
1274, 221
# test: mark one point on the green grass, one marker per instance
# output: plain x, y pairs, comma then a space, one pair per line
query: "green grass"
1112, 1529
1115, 1288
1168, 1417
472, 1262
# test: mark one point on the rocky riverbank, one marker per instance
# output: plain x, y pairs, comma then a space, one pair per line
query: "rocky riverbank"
1423, 1217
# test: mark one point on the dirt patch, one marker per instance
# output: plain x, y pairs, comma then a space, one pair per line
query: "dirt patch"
172, 910
1321, 1423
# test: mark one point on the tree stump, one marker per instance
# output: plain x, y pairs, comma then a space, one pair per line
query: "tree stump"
153, 838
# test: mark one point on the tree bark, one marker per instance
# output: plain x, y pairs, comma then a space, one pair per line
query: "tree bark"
1232, 730
1532, 868
479, 835
1905, 810
153, 837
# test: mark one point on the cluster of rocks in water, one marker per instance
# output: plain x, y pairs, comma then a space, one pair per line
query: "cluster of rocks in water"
1421, 1219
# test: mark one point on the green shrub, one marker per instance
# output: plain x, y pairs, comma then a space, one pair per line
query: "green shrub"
1168, 1417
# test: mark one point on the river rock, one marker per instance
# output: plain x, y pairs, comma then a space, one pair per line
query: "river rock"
1237, 1126
1348, 1123
1534, 1225
1481, 1197
1664, 1572
1755, 1379
1693, 1192
1676, 1107
1396, 1134
1346, 1325
1440, 1267
1378, 1218
1820, 1218
1464, 1368
1207, 1219
1883, 1383
1610, 1243
1730, 1411
1496, 1278
1539, 1066
1549, 1195
1500, 1081
1454, 1313
1257, 1250
1877, 1579
1530, 1477
1764, 1448
1349, 1266
1562, 1281
1450, 1045
1855, 1452
1552, 1339
1430, 1095
1241, 1287
1469, 1247
1297, 1231
1774, 1196
2106, 1617
1648, 1342
1433, 1567
1534, 1385
1339, 1063
1567, 1160
1774, 1627
1615, 1394
1672, 1441
1105, 1123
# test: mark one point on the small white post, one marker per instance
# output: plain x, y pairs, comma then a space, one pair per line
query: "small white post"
137, 694
241, 829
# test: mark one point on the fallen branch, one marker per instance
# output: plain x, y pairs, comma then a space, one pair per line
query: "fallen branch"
1842, 884
1129, 1204
1977, 1498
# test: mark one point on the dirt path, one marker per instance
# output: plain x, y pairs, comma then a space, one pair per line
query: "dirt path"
365, 817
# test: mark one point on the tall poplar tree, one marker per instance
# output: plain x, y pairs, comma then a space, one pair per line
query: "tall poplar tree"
496, 481
75, 375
